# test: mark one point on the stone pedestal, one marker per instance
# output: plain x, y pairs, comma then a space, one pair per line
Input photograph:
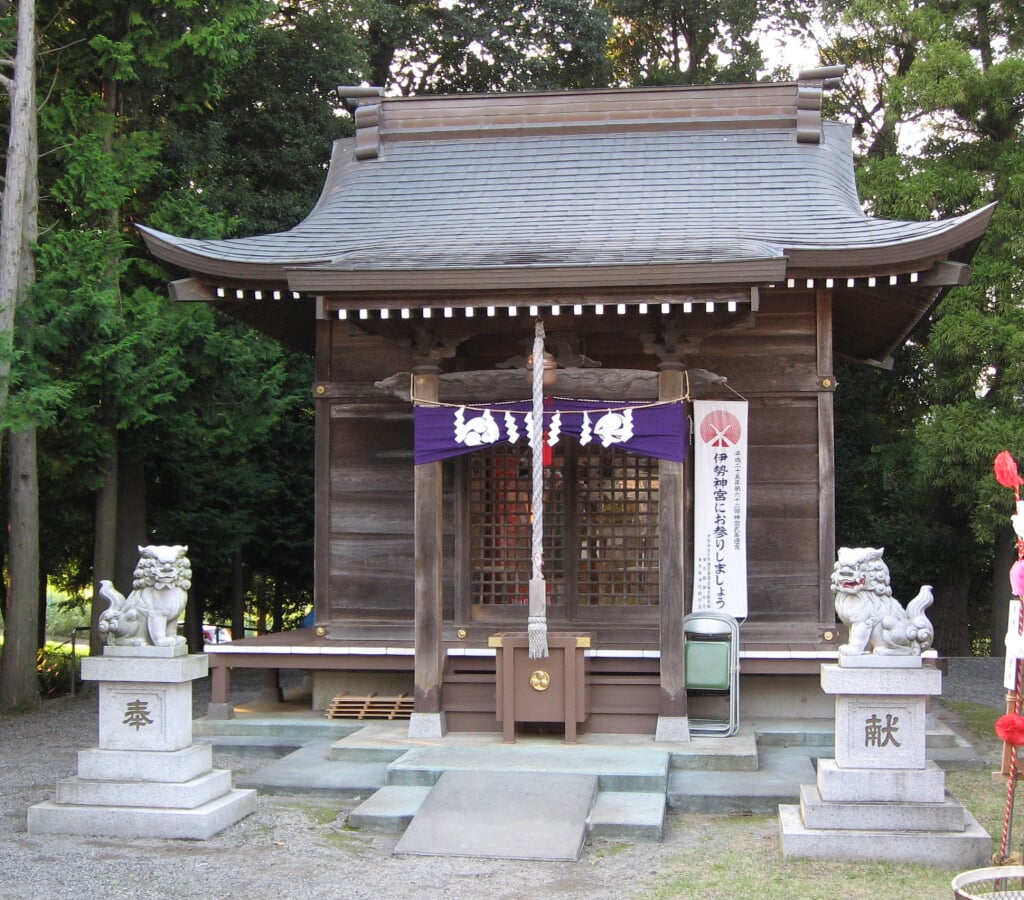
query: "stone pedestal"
880, 799
146, 778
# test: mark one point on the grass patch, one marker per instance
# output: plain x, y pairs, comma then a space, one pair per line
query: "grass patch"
344, 839
742, 856
318, 814
975, 722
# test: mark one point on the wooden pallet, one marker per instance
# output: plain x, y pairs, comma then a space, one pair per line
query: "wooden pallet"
344, 706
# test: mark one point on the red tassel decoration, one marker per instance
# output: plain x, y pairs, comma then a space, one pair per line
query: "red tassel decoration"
1005, 467
1010, 728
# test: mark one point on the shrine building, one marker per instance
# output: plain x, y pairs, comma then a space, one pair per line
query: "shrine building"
697, 259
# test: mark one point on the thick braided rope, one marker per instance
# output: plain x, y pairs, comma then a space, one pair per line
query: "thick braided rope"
537, 627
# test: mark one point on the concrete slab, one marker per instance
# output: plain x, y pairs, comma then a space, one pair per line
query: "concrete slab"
511, 815
778, 779
311, 769
389, 809
616, 769
634, 816
967, 849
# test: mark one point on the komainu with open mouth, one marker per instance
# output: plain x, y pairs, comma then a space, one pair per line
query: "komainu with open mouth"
865, 604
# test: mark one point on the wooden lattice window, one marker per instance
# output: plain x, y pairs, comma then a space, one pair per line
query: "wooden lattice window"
600, 527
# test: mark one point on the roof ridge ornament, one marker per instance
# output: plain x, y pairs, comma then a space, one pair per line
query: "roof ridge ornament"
363, 103
810, 85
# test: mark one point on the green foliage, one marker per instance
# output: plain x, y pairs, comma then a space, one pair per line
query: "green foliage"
64, 614
936, 96
55, 667
484, 45
675, 42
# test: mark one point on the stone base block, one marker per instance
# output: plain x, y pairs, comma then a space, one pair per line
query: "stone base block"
220, 711
133, 668
882, 815
966, 849
187, 795
427, 725
151, 716
197, 824
887, 681
839, 785
875, 732
171, 767
168, 652
673, 729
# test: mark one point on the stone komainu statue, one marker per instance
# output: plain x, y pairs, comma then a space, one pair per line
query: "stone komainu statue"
865, 604
149, 614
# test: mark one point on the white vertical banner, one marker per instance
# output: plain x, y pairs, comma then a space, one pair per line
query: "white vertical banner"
720, 506
1014, 645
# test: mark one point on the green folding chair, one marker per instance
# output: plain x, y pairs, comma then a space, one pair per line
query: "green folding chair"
713, 668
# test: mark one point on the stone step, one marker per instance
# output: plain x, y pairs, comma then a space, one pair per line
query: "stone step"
300, 728
780, 773
736, 753
614, 814
629, 815
310, 769
616, 770
389, 809
822, 733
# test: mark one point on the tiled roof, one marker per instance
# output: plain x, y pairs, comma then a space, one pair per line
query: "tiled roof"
675, 198
597, 195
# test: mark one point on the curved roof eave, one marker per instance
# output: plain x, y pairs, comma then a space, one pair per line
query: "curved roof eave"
203, 257
948, 236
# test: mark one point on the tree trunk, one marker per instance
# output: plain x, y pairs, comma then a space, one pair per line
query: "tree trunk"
19, 681
237, 597
18, 210
949, 614
104, 548
195, 611
130, 525
41, 612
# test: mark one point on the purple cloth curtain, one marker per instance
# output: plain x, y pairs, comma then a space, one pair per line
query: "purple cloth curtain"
649, 430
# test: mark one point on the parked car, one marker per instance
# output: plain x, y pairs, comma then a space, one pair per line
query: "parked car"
215, 634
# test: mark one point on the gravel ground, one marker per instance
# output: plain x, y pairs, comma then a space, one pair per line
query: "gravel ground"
296, 847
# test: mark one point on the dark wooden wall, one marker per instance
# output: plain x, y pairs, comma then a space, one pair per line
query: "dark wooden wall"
775, 367
365, 501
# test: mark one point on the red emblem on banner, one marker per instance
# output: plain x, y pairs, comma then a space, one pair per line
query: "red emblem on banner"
720, 429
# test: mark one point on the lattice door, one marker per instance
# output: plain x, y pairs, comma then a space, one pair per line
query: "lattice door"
600, 527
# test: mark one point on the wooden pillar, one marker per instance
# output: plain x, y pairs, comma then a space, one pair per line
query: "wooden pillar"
220, 706
322, 393
673, 724
428, 717
826, 457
